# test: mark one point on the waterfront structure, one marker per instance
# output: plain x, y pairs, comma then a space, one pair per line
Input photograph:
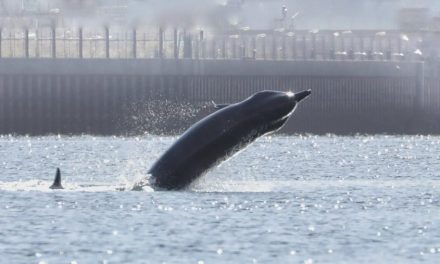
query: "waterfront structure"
153, 76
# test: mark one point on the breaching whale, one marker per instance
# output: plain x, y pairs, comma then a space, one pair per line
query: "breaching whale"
221, 134
57, 181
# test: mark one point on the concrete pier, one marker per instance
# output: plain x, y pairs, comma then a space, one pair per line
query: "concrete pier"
113, 97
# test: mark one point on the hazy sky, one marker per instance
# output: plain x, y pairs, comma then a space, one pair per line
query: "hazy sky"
256, 14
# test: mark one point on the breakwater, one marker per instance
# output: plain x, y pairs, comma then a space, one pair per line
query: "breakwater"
99, 96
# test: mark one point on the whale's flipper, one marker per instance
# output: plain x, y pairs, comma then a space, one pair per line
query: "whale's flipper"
57, 182
219, 106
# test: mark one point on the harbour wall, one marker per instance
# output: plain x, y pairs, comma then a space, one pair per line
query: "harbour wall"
166, 96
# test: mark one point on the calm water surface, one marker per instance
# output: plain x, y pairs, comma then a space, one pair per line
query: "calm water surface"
299, 199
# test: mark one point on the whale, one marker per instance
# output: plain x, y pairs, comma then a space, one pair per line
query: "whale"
57, 181
220, 135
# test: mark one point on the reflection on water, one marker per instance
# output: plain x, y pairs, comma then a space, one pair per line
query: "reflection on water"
300, 199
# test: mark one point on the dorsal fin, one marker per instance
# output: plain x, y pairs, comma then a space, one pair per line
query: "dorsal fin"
57, 182
219, 106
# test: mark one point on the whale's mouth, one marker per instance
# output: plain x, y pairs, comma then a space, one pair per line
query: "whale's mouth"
301, 95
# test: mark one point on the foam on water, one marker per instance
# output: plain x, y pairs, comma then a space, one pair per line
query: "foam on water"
223, 186
43, 186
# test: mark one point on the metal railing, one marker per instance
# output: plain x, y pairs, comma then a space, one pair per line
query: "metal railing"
174, 43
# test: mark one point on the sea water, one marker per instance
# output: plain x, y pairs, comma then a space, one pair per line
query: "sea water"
284, 199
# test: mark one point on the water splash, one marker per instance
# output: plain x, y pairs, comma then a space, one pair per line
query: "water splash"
161, 116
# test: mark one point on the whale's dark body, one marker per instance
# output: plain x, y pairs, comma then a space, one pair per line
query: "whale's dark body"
220, 135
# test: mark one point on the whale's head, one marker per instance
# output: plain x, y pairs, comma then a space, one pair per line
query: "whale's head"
273, 108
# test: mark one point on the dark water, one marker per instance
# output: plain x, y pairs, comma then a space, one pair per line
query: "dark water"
299, 199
